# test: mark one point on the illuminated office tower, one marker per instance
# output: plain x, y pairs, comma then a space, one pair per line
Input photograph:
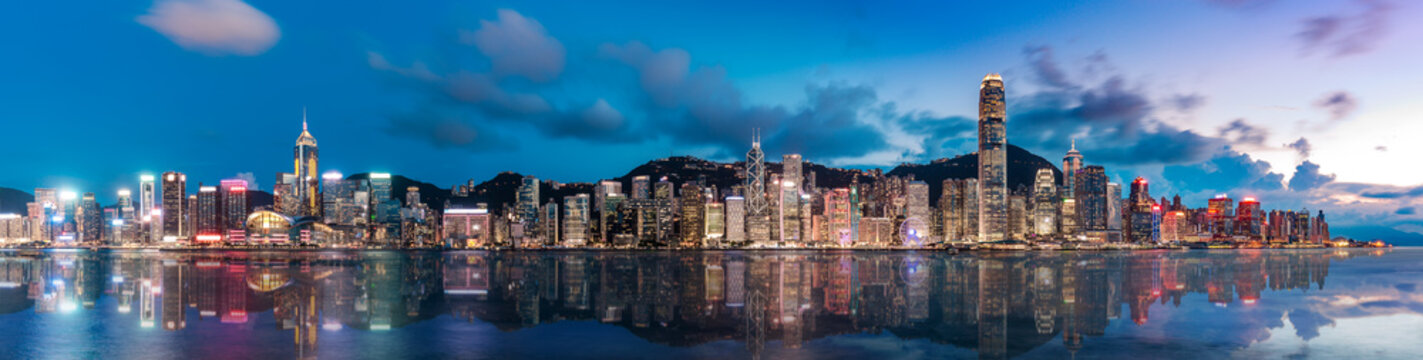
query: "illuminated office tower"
190, 218
758, 212
1045, 202
145, 196
992, 159
792, 170
917, 208
305, 175
603, 189
575, 220
641, 187
234, 204
91, 219
1220, 215
40, 213
1114, 206
125, 205
610, 219
386, 209
12, 228
175, 195
1248, 219
1071, 165
735, 220
209, 212
69, 209
465, 228
1139, 207
527, 203
1018, 217
789, 213
692, 222
665, 195
336, 192
1091, 196
837, 217
715, 222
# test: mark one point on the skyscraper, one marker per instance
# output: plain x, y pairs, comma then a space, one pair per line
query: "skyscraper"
145, 195
209, 212
641, 187
837, 215
1114, 206
1091, 196
90, 219
1045, 202
1071, 164
305, 186
792, 170
735, 220
175, 189
575, 220
758, 220
992, 159
693, 215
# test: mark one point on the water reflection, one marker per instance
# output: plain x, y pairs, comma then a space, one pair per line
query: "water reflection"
993, 305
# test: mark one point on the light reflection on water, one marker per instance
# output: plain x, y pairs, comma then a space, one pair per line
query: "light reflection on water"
713, 304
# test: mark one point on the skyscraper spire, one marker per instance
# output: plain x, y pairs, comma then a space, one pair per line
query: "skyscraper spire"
1074, 144
303, 118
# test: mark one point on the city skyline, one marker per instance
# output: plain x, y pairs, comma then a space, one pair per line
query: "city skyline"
839, 99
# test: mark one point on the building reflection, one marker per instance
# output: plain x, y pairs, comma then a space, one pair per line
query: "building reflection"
997, 304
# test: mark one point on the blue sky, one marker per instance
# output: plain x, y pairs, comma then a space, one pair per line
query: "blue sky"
1305, 104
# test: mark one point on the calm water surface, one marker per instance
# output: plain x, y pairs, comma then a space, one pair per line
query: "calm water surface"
773, 305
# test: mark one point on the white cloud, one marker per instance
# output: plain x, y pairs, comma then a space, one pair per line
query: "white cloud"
214, 27
517, 45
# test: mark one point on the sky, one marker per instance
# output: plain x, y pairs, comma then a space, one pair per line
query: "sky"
1303, 104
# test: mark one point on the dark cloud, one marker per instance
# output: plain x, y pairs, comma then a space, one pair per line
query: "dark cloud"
1339, 104
944, 137
1301, 146
1347, 34
445, 131
1240, 132
1188, 102
1227, 171
1408, 193
700, 106
1307, 177
1113, 118
516, 45
1045, 68
1407, 210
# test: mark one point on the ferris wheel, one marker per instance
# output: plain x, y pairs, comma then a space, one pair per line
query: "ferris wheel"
913, 232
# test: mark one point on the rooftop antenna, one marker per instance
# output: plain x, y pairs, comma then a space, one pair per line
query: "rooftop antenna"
1074, 143
303, 118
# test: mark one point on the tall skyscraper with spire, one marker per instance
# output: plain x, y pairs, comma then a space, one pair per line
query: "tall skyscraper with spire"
1071, 165
992, 159
307, 177
758, 217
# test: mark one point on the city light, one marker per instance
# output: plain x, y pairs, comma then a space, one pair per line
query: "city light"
333, 175
380, 175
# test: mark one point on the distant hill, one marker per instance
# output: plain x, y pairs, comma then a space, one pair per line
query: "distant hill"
13, 201
1022, 170
1375, 232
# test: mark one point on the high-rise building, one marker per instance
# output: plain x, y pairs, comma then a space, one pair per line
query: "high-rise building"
91, 219
1091, 196
575, 220
466, 228
1142, 221
175, 190
1071, 164
641, 187
284, 194
758, 212
693, 216
788, 211
209, 213
1045, 202
145, 195
1248, 219
792, 170
735, 220
715, 219
1220, 216
992, 159
1018, 217
528, 199
1114, 206
916, 207
234, 208
305, 173
837, 217
601, 192
958, 202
